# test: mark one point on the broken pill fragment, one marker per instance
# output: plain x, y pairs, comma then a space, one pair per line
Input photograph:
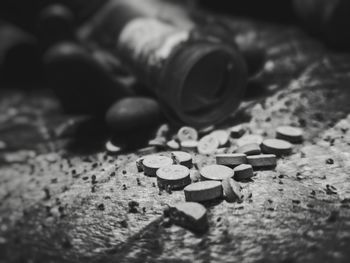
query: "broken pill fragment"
190, 215
232, 190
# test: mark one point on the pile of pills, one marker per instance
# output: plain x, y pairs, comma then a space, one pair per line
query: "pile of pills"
175, 170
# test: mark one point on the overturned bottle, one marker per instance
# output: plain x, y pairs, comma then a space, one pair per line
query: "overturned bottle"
198, 78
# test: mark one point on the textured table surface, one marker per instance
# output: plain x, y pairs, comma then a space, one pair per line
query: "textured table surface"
51, 210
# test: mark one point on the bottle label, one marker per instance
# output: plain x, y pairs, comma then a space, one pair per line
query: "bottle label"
147, 42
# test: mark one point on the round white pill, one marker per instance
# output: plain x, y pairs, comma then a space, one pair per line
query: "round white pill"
208, 145
173, 176
152, 163
182, 158
203, 191
243, 172
216, 172
187, 134
222, 136
277, 147
290, 134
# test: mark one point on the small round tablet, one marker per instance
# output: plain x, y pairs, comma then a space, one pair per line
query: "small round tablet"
208, 145
173, 176
249, 149
203, 191
290, 134
187, 134
243, 172
232, 190
222, 136
262, 160
231, 159
249, 139
190, 146
152, 163
216, 172
277, 147
173, 145
182, 158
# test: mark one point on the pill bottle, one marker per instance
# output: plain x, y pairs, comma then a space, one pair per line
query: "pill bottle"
199, 79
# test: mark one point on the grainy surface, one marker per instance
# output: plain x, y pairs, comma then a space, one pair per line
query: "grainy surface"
59, 205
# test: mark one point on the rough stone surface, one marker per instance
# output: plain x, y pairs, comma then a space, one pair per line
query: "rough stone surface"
58, 205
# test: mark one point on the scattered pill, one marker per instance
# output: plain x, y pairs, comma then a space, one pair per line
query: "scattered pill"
189, 146
173, 145
249, 149
206, 130
232, 190
237, 131
222, 136
173, 177
249, 139
262, 160
243, 172
111, 148
147, 150
187, 134
290, 134
190, 215
152, 163
132, 114
157, 142
216, 172
231, 159
182, 158
208, 145
277, 147
203, 191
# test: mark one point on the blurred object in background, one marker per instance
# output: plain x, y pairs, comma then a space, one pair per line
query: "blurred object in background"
83, 83
56, 23
280, 11
19, 55
329, 19
198, 78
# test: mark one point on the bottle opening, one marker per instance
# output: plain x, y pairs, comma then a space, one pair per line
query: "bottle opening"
203, 84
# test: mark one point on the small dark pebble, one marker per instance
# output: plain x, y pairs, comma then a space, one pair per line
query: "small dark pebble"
143, 209
101, 207
112, 174
47, 194
333, 217
153, 184
138, 181
281, 176
124, 223
329, 161
296, 202
124, 187
85, 178
124, 172
94, 165
133, 205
